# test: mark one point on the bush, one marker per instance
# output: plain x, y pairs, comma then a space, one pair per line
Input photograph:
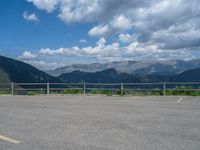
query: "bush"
125, 92
5, 92
183, 93
157, 93
72, 91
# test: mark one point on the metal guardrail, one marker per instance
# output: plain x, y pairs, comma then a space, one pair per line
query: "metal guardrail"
84, 88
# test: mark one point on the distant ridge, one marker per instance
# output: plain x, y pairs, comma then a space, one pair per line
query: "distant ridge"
105, 76
113, 76
147, 67
19, 72
188, 76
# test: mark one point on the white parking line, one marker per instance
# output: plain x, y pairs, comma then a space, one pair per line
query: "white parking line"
180, 100
4, 138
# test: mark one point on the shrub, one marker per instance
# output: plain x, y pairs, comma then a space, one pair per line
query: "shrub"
4, 92
72, 91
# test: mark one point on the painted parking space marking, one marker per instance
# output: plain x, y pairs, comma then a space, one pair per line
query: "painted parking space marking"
7, 139
180, 100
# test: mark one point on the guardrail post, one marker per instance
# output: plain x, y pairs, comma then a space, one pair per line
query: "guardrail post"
48, 88
12, 88
164, 88
84, 88
122, 88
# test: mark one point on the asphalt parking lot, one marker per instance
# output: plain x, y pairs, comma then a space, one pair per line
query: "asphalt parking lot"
99, 123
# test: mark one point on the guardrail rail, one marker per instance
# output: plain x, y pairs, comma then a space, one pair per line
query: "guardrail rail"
159, 88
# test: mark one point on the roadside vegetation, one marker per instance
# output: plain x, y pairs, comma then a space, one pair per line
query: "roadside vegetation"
178, 91
5, 92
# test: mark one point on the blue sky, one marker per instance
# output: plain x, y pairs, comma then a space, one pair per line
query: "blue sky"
53, 33
18, 35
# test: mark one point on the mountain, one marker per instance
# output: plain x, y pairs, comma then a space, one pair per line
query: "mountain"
105, 76
16, 71
187, 76
77, 67
167, 68
4, 77
113, 76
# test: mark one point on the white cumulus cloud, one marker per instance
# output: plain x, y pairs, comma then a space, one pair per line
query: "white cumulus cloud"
104, 51
83, 41
147, 29
30, 17
99, 31
126, 38
27, 55
48, 5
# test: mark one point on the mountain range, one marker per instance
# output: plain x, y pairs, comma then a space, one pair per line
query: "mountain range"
164, 68
113, 76
105, 76
175, 71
